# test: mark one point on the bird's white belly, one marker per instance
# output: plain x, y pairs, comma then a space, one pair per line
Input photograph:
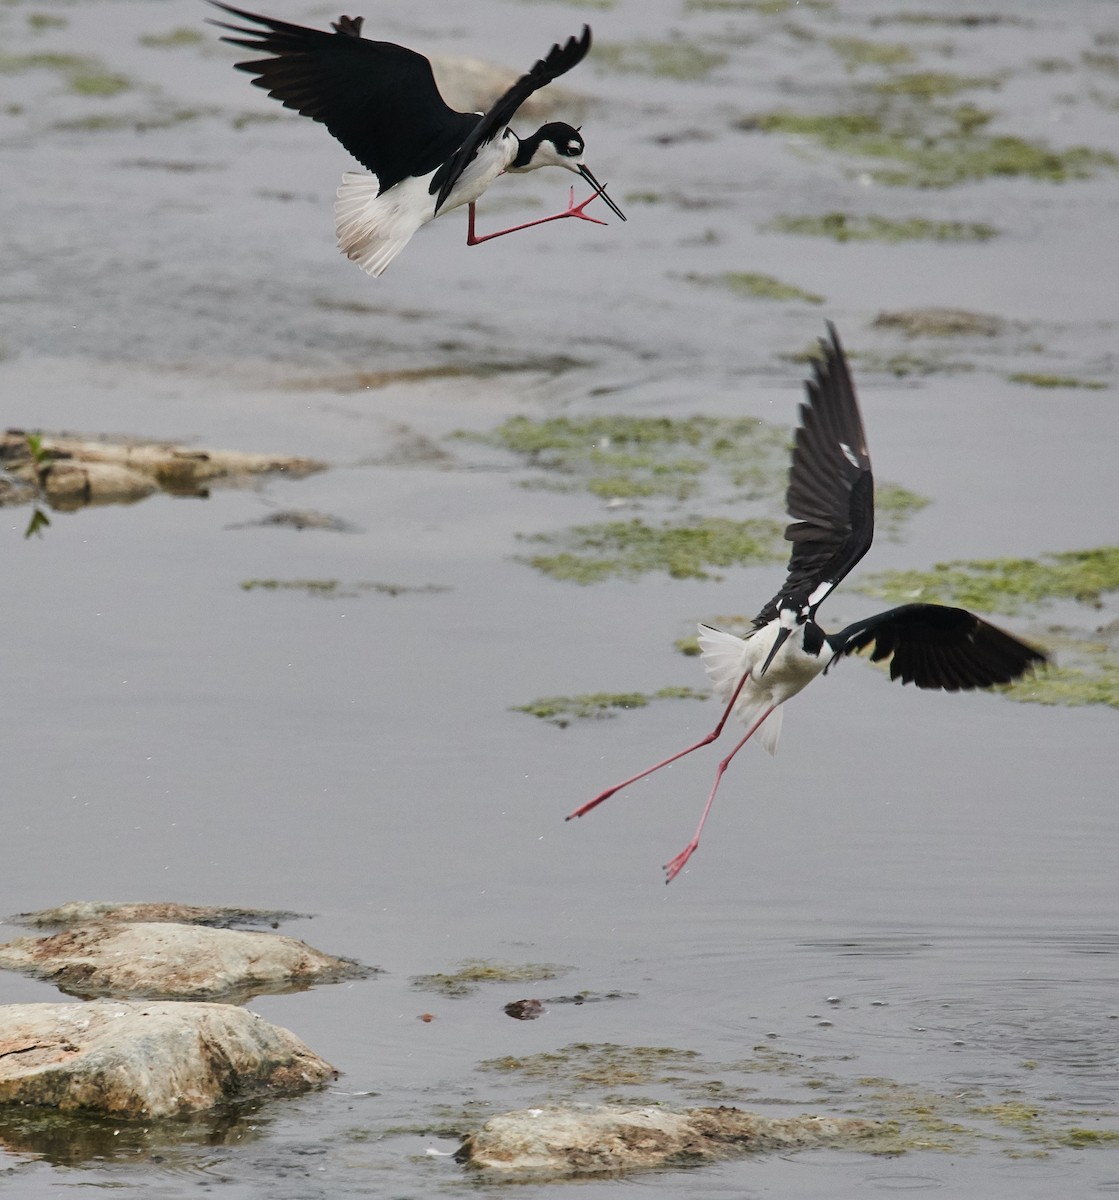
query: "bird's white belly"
490, 161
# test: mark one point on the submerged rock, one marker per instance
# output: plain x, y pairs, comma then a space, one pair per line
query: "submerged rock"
567, 1141
79, 912
174, 962
72, 471
147, 1060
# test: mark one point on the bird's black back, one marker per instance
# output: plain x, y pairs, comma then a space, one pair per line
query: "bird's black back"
378, 99
831, 487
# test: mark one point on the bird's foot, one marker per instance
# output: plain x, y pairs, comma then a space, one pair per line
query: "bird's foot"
674, 866
576, 210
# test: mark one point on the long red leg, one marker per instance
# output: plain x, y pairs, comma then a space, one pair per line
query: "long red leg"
675, 865
706, 741
573, 210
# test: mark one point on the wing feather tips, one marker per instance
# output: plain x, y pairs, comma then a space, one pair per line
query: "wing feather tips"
936, 646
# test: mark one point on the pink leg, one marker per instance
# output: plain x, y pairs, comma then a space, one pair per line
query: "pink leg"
674, 866
573, 210
706, 741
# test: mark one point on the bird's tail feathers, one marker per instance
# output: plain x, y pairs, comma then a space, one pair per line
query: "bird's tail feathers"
724, 660
372, 227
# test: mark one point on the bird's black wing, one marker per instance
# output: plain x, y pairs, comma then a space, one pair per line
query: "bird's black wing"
558, 61
378, 99
935, 646
831, 488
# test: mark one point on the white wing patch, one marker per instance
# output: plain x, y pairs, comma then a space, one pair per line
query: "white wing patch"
820, 591
848, 454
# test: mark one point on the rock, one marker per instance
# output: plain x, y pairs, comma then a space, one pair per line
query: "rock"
73, 471
567, 1141
174, 962
78, 912
940, 322
147, 1060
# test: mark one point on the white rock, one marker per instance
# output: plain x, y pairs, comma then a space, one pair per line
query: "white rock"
171, 961
144, 1060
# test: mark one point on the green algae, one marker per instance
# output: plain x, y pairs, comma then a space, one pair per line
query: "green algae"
1086, 670
175, 38
844, 227
628, 549
673, 59
1005, 585
1037, 379
584, 1065
926, 85
562, 710
860, 52
1088, 1137
83, 75
622, 457
903, 365
464, 981
894, 505
41, 21
940, 322
934, 146
335, 588
756, 285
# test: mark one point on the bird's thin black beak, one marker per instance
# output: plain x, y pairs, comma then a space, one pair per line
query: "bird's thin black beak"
601, 190
778, 642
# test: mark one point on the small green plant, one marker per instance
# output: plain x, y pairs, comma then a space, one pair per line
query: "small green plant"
40, 459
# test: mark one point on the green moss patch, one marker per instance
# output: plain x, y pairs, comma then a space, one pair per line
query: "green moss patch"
623, 457
688, 550
845, 227
1036, 379
562, 710
83, 75
756, 286
927, 145
175, 38
465, 980
1005, 585
334, 588
929, 84
1086, 670
940, 322
860, 52
674, 59
582, 1066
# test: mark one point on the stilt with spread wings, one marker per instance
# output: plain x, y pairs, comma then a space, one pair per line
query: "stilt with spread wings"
381, 102
831, 500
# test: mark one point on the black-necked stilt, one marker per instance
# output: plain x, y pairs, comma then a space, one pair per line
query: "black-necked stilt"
381, 102
831, 500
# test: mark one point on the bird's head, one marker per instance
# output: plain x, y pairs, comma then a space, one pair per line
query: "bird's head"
559, 145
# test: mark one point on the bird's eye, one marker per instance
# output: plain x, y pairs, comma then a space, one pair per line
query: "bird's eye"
574, 148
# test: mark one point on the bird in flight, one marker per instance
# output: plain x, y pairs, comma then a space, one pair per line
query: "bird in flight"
831, 500
381, 102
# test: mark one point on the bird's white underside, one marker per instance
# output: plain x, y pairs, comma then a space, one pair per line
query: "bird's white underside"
726, 658
372, 229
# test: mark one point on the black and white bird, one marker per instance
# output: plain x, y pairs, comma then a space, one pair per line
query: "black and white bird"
831, 500
381, 102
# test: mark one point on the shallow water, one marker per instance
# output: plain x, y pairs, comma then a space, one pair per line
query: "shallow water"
911, 909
